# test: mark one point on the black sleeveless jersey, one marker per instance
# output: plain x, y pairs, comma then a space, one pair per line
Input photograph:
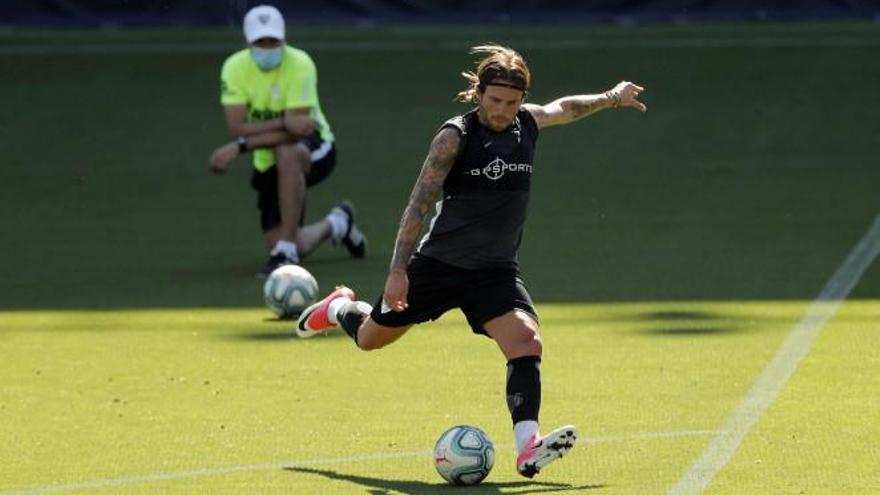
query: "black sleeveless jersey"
479, 220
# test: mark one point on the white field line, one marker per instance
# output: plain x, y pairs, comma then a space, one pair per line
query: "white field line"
765, 389
683, 42
271, 466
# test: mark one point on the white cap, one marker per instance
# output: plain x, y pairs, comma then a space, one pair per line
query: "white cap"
263, 21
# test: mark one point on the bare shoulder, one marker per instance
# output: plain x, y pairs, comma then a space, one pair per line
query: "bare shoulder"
539, 113
533, 108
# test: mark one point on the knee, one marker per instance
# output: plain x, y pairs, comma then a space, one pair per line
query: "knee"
531, 344
526, 341
292, 158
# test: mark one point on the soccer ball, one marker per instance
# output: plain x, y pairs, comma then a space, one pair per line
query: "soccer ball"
289, 289
464, 455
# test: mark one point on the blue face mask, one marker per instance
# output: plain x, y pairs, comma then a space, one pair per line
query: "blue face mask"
266, 58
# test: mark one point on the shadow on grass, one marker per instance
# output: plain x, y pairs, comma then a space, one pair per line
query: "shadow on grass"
282, 334
684, 323
679, 315
387, 487
284, 329
688, 331
264, 336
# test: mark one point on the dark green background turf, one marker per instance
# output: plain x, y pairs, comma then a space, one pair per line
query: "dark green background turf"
751, 177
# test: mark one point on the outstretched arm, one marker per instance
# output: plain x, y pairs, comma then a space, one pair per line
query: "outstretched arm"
571, 108
439, 161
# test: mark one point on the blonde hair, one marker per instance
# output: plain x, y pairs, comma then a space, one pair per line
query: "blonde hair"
500, 65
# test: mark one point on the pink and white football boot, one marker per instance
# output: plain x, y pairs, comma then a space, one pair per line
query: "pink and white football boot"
540, 451
315, 318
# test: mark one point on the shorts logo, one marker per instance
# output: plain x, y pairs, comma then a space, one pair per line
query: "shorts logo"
497, 167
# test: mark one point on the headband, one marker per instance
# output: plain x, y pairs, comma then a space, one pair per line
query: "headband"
483, 85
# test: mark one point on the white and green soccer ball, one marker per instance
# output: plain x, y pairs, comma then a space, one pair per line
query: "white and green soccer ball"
464, 455
289, 290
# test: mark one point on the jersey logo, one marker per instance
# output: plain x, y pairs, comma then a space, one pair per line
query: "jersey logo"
498, 167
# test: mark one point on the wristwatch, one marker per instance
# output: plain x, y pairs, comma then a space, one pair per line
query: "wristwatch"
242, 144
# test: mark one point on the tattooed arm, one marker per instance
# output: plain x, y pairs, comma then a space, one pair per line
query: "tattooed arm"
571, 108
441, 157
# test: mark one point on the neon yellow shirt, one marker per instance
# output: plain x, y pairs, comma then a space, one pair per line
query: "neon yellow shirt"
293, 84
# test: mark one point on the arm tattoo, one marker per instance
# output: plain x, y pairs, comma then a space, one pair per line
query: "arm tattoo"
567, 109
441, 157
578, 108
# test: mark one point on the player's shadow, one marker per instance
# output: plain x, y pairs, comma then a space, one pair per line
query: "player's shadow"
388, 487
263, 336
283, 334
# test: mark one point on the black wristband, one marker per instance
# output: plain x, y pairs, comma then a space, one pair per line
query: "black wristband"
242, 144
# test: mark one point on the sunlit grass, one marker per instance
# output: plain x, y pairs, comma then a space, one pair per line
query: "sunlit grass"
120, 394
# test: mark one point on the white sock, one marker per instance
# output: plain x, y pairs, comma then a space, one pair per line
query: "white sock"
338, 224
286, 248
335, 306
524, 431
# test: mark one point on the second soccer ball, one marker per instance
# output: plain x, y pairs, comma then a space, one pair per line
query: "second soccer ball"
289, 289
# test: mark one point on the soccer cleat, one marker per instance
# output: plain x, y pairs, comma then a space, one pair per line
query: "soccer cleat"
274, 262
353, 240
540, 451
314, 319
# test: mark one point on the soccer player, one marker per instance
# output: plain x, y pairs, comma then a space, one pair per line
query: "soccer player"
269, 93
480, 166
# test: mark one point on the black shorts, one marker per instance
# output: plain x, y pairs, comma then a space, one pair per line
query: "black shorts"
266, 183
436, 287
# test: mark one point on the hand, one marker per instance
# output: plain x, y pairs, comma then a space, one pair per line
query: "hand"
300, 125
626, 94
396, 289
221, 157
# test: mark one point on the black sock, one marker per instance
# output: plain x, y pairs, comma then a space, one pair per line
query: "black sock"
351, 316
524, 388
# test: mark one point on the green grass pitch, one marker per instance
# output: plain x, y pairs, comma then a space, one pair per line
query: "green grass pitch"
670, 255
